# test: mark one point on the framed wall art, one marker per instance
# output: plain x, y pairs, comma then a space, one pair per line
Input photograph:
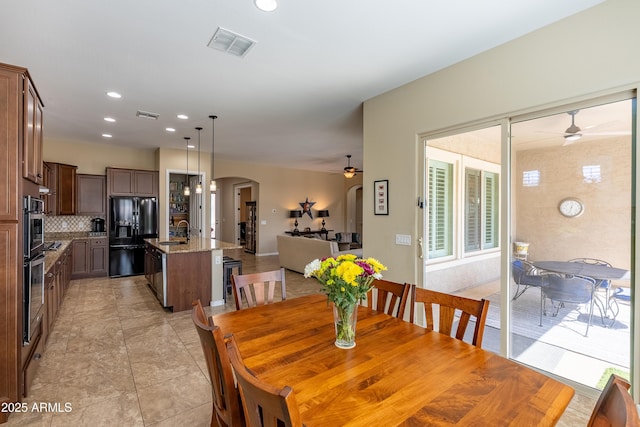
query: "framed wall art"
381, 197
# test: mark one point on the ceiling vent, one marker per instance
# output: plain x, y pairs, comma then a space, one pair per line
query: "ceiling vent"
147, 115
230, 42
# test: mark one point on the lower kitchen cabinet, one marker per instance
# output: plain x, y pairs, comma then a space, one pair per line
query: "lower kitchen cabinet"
56, 281
90, 258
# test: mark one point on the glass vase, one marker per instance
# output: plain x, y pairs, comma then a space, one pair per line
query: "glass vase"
344, 319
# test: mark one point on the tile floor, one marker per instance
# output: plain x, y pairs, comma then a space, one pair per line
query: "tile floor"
118, 359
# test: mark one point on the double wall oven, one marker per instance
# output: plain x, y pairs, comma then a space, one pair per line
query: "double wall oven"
33, 291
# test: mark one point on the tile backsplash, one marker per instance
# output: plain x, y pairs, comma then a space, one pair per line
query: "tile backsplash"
67, 223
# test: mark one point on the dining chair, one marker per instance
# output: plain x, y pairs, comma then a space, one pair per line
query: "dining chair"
264, 404
226, 400
391, 297
256, 286
448, 306
615, 407
568, 289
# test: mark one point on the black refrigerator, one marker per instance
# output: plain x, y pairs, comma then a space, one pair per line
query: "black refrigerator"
131, 220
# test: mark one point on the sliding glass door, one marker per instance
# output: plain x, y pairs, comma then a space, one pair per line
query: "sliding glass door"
571, 179
559, 285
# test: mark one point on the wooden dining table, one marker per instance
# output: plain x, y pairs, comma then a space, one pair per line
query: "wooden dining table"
398, 373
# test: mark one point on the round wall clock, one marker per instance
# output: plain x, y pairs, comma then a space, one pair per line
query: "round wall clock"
571, 207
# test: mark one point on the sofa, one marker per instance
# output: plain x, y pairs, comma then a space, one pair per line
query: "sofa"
348, 240
295, 252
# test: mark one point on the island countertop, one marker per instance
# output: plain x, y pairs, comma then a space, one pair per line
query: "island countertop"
195, 244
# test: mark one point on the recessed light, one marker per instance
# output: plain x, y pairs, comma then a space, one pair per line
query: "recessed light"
113, 94
191, 146
183, 116
266, 5
109, 119
170, 129
106, 135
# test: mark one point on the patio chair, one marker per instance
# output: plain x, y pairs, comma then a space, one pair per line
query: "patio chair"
570, 289
525, 275
602, 285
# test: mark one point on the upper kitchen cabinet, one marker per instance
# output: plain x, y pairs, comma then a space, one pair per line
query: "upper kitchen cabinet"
32, 143
91, 194
130, 182
61, 181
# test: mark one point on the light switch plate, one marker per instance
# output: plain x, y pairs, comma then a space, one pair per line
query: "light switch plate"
403, 239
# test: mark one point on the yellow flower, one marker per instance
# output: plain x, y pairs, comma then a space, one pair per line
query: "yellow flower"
342, 288
377, 265
346, 257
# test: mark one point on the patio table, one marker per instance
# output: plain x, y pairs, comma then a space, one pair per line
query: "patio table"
397, 374
598, 272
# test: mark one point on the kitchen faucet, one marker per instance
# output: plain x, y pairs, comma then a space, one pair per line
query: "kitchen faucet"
188, 226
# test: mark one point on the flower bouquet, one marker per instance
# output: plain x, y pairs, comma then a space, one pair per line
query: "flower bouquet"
346, 281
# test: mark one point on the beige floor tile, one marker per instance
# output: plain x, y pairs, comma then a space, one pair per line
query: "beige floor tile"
169, 398
83, 391
122, 410
29, 419
160, 363
198, 417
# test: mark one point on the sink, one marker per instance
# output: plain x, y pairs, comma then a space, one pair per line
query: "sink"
174, 242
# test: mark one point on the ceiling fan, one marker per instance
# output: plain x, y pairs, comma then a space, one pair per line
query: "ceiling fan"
574, 132
350, 171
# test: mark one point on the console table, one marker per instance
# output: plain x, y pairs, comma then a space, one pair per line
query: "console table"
306, 233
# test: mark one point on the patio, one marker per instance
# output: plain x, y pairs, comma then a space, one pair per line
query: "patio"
559, 345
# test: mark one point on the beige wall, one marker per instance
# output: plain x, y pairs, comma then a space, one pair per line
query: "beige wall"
519, 76
281, 190
602, 231
94, 158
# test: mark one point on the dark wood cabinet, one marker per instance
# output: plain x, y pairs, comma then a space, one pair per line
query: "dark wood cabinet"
91, 195
61, 181
20, 148
32, 143
80, 265
98, 256
131, 182
90, 257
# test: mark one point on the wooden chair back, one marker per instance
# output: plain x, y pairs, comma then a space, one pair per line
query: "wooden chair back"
391, 297
264, 404
448, 304
257, 288
226, 400
615, 407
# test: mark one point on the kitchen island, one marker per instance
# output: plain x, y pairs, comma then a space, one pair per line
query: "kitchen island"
180, 271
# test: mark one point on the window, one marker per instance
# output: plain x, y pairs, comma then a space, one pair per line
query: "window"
476, 190
440, 209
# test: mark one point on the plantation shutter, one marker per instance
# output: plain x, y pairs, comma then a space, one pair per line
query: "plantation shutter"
491, 207
440, 209
472, 214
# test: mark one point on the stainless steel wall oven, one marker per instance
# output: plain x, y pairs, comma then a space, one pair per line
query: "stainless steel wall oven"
33, 226
33, 283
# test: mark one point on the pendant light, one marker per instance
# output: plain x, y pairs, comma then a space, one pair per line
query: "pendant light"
187, 190
199, 184
212, 186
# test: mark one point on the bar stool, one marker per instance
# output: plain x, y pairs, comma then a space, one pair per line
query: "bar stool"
228, 264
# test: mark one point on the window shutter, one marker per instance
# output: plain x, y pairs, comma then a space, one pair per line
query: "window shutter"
491, 207
472, 217
440, 209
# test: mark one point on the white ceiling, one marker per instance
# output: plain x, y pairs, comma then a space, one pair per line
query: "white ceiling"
294, 100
